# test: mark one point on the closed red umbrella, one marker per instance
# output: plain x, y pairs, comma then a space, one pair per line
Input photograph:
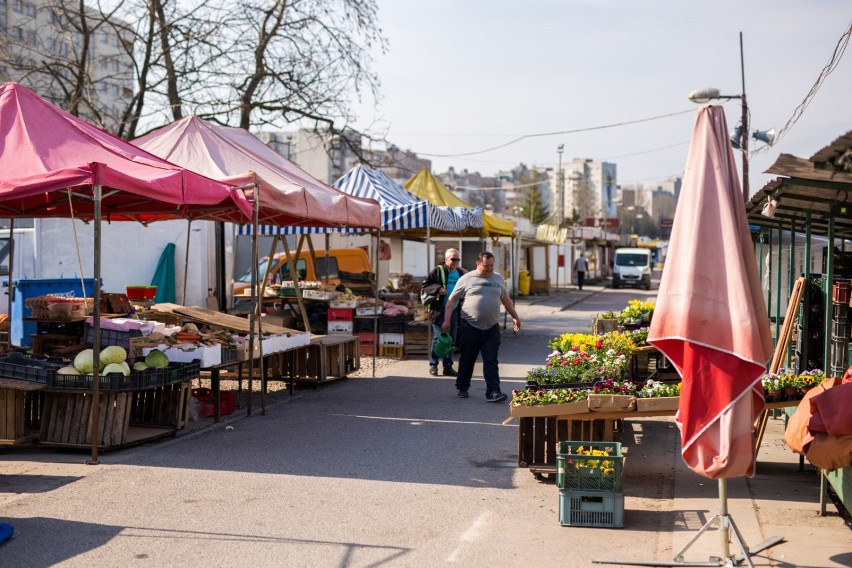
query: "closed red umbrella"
710, 318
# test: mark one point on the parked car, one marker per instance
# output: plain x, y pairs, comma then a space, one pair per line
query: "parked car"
632, 267
349, 266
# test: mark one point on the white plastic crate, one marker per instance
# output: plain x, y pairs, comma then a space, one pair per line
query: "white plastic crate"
368, 311
206, 355
391, 339
340, 327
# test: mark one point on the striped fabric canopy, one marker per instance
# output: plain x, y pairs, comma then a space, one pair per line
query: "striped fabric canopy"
400, 209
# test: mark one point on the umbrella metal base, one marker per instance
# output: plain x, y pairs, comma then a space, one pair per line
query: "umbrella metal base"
727, 529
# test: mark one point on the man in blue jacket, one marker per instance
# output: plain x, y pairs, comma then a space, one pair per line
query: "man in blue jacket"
442, 279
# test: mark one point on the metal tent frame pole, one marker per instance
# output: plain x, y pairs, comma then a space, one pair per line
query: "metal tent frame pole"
186, 259
376, 301
96, 329
11, 276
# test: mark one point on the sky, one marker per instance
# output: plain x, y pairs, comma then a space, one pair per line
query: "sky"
463, 76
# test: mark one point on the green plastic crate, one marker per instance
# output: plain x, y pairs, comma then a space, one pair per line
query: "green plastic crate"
589, 473
591, 509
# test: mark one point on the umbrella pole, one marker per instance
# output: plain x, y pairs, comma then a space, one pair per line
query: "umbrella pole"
376, 315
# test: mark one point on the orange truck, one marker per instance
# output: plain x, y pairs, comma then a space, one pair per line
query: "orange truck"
349, 266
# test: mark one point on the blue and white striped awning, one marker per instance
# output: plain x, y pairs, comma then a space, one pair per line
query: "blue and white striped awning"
400, 209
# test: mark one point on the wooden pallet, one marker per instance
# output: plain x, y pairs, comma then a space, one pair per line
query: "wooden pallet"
537, 439
161, 407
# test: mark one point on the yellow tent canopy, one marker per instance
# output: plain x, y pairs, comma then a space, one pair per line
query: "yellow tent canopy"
426, 186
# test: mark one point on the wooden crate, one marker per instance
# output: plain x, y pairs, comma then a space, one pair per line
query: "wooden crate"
66, 419
327, 358
12, 424
166, 406
538, 436
417, 342
156, 413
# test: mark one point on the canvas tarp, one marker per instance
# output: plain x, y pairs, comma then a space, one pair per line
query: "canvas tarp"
287, 194
402, 212
426, 186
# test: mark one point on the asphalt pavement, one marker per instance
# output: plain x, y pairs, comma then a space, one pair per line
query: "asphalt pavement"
396, 471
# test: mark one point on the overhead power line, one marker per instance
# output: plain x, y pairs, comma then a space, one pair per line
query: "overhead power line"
839, 50
563, 132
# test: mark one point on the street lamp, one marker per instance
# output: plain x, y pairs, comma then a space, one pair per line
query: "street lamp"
708, 94
560, 180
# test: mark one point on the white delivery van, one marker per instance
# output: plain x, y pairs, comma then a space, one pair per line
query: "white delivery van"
632, 267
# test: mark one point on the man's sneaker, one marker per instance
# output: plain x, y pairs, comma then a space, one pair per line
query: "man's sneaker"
450, 372
495, 396
433, 370
463, 394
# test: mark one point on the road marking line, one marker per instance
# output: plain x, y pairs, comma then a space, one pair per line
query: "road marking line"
470, 535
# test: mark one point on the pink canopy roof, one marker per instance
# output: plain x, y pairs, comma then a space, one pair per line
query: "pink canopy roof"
46, 150
287, 194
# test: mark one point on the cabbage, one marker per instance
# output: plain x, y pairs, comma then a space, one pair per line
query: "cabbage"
126, 367
140, 366
157, 359
114, 368
68, 371
113, 354
83, 361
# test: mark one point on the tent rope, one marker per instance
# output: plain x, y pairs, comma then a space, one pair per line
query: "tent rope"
77, 246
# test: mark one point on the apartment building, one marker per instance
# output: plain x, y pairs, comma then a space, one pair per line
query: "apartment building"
41, 47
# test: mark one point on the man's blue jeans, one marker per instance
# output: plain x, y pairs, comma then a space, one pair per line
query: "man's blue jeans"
472, 342
436, 329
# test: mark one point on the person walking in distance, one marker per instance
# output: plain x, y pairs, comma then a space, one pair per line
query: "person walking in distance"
581, 266
443, 279
481, 292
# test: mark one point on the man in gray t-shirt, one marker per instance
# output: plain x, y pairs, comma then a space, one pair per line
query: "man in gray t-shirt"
482, 293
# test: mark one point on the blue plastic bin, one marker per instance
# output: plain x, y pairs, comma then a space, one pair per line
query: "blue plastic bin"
26, 289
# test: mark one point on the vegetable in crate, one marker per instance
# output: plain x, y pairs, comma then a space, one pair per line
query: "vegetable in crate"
69, 370
115, 368
84, 361
157, 359
113, 354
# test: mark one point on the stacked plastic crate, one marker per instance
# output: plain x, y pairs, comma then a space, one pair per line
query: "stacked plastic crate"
341, 321
392, 336
589, 478
840, 326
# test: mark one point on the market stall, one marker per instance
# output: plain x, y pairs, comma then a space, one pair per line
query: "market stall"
804, 208
281, 193
57, 165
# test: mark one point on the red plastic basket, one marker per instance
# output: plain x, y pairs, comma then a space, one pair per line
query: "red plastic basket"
207, 408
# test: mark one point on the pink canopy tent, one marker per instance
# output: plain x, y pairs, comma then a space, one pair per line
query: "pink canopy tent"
46, 152
54, 164
287, 195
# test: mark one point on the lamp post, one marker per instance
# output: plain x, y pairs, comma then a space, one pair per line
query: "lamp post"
560, 181
706, 95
